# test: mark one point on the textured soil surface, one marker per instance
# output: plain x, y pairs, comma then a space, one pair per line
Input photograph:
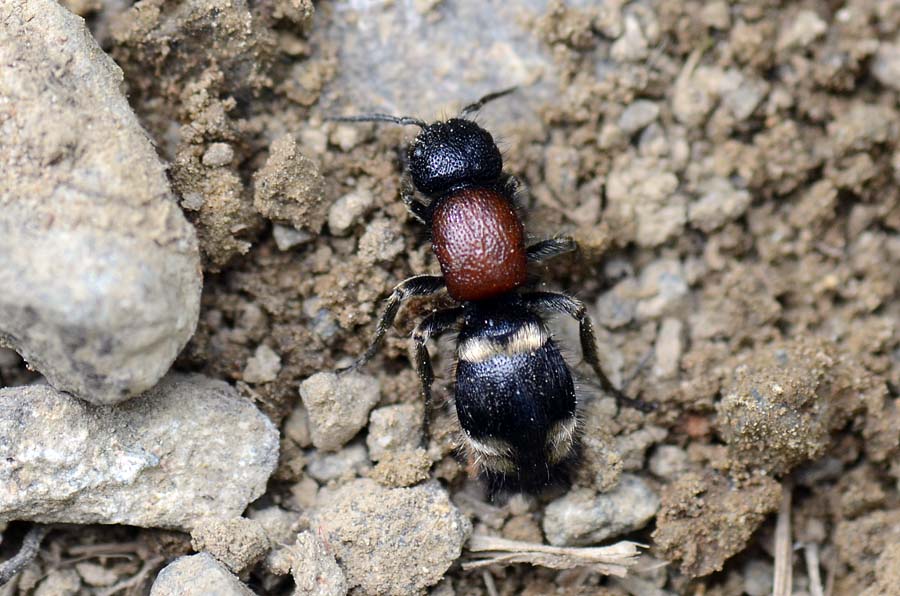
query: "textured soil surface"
731, 172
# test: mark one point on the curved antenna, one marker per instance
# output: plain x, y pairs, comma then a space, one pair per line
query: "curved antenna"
474, 107
401, 120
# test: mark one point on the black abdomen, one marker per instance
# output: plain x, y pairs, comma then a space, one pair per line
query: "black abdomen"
516, 403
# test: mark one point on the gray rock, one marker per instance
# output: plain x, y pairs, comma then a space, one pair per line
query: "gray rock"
191, 448
663, 287
392, 540
382, 241
237, 543
394, 428
338, 406
315, 571
197, 575
347, 211
99, 268
583, 517
800, 30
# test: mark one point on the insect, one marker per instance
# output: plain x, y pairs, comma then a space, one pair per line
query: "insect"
515, 396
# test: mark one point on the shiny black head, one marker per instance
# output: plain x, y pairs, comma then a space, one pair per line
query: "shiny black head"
451, 154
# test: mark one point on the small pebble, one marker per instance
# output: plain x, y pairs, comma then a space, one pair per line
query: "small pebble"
217, 155
637, 115
394, 428
348, 209
197, 575
338, 406
886, 65
60, 582
263, 366
382, 241
287, 237
668, 462
668, 349
801, 30
296, 427
343, 465
237, 543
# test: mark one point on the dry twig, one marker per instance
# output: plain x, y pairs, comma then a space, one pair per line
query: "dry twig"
811, 553
783, 548
615, 559
30, 547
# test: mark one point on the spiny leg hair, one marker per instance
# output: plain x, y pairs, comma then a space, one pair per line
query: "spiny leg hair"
561, 303
419, 285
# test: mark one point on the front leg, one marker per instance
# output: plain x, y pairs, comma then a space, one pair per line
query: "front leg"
431, 326
419, 285
417, 209
555, 302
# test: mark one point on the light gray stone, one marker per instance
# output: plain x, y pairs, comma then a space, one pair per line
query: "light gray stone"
191, 448
394, 428
197, 575
263, 366
583, 517
99, 268
347, 211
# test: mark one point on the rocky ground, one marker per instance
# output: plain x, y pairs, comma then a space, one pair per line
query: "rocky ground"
174, 198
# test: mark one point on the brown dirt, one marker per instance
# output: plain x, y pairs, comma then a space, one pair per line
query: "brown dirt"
806, 263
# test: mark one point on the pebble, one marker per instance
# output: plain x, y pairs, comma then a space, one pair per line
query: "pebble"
189, 449
287, 237
668, 349
719, 203
664, 289
338, 406
583, 517
345, 464
393, 429
643, 204
616, 307
348, 209
668, 462
392, 540
237, 543
800, 30
638, 115
263, 366
315, 571
382, 241
94, 250
217, 155
197, 575
289, 187
296, 427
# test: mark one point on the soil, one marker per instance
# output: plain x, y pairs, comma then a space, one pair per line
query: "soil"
740, 234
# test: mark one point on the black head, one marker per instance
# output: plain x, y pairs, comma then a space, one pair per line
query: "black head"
446, 155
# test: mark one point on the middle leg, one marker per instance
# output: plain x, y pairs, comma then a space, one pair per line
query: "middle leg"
433, 325
419, 285
546, 249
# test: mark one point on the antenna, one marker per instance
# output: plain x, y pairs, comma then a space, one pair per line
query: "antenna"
401, 120
474, 107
